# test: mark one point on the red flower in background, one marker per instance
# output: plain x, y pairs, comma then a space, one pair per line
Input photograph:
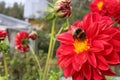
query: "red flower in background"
88, 48
99, 6
3, 34
22, 41
113, 7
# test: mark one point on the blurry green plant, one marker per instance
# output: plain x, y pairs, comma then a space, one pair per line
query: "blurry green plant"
22, 66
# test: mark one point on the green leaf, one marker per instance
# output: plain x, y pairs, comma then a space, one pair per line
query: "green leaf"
49, 10
50, 16
50, 4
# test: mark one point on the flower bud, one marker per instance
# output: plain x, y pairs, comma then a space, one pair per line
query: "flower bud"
62, 8
33, 35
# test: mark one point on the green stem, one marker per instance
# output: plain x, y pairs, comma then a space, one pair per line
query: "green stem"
36, 59
35, 46
61, 28
67, 20
49, 50
5, 66
55, 40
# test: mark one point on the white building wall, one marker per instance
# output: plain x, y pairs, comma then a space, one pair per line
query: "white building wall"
35, 8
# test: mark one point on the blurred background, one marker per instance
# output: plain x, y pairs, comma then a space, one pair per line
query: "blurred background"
28, 15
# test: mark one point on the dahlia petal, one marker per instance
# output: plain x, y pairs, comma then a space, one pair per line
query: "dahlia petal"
58, 52
78, 76
112, 58
79, 60
65, 37
92, 59
77, 24
65, 61
97, 45
116, 44
84, 22
68, 71
76, 66
108, 72
97, 75
64, 50
87, 71
103, 37
102, 64
105, 24
109, 31
92, 32
102, 46
108, 48
90, 19
117, 35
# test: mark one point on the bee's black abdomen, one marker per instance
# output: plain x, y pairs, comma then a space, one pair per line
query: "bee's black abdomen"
78, 31
82, 36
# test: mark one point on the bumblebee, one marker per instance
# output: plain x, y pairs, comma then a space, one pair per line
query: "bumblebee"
79, 34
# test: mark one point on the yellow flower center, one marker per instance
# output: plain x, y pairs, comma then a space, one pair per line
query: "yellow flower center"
81, 45
100, 5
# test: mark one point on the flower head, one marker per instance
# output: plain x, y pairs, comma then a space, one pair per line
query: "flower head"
62, 8
88, 48
99, 6
3, 34
22, 41
113, 7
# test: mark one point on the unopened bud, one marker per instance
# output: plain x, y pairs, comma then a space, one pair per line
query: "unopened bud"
62, 8
33, 35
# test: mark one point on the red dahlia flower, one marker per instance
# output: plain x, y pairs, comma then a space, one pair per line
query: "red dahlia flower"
22, 41
3, 34
62, 8
88, 48
99, 6
113, 7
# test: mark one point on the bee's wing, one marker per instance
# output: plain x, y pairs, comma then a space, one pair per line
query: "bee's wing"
73, 29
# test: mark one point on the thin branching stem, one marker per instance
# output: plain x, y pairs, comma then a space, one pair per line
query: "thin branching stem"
49, 50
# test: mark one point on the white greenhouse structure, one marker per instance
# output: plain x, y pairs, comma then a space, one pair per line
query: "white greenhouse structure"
12, 26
